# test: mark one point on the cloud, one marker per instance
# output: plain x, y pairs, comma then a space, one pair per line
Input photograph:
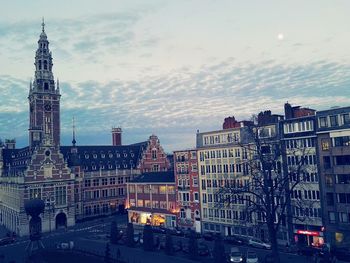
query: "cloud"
181, 102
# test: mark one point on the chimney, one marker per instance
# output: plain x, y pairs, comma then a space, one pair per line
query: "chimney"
10, 144
116, 136
288, 111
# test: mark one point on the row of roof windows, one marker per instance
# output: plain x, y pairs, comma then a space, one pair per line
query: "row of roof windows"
110, 155
109, 167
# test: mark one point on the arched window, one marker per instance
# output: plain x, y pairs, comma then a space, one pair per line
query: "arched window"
39, 62
46, 86
45, 64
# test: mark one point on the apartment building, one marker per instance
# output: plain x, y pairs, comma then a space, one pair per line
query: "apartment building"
333, 136
299, 140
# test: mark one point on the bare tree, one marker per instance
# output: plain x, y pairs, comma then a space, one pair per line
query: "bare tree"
268, 191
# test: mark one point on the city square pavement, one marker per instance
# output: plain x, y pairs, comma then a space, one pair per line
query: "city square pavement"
91, 236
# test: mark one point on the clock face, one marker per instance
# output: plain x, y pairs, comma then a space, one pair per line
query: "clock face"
47, 107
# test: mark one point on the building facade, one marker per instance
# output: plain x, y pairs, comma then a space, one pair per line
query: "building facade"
154, 159
333, 136
152, 199
298, 136
187, 189
222, 162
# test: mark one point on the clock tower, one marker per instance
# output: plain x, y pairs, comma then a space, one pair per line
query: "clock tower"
44, 99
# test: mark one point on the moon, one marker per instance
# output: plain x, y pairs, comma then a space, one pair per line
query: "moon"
280, 36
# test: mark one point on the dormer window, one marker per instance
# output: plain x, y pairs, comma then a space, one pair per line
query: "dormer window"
132, 155
125, 166
125, 155
95, 156
118, 155
103, 155
110, 155
86, 156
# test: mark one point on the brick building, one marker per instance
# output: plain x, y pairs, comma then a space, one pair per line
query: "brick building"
152, 199
187, 189
154, 159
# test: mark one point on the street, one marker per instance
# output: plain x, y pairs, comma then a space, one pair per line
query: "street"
91, 236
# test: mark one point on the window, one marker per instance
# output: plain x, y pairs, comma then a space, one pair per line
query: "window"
162, 189
61, 195
331, 217
204, 198
96, 194
155, 167
342, 160
112, 181
343, 179
96, 182
346, 118
35, 193
323, 122
344, 217
196, 196
140, 203
341, 141
104, 181
333, 120
105, 193
87, 183
154, 154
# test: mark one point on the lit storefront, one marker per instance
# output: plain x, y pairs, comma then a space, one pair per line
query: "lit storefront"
155, 219
151, 199
309, 237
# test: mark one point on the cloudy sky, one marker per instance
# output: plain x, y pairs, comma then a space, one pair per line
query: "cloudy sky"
172, 67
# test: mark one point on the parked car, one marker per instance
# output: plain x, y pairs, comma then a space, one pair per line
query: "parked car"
7, 240
138, 238
258, 243
251, 257
209, 236
159, 229
269, 259
176, 232
308, 250
203, 249
236, 255
233, 240
191, 232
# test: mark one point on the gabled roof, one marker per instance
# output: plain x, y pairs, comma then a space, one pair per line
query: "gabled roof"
105, 157
16, 160
155, 177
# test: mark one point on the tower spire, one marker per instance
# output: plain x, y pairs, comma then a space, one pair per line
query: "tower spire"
74, 141
43, 25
